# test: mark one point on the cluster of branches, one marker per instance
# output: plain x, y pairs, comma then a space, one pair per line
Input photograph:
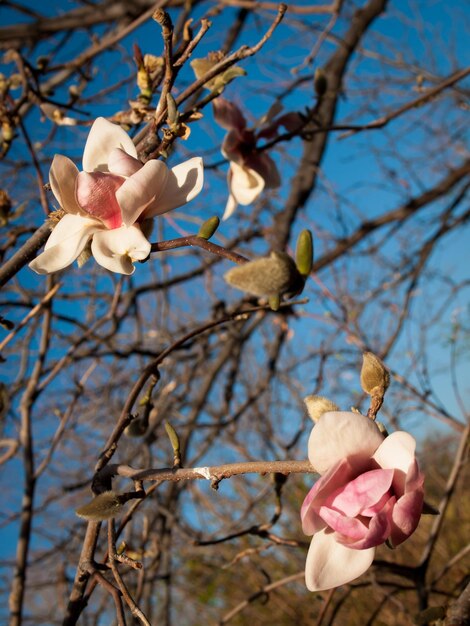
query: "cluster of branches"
97, 366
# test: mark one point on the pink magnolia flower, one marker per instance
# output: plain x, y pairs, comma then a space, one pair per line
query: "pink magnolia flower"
110, 199
250, 171
370, 491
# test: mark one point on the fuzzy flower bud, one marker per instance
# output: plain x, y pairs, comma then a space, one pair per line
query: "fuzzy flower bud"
274, 275
374, 375
105, 506
317, 405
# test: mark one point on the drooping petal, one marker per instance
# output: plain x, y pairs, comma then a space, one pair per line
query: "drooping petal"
66, 242
102, 139
96, 194
330, 564
361, 493
228, 115
245, 185
62, 178
123, 164
140, 189
117, 249
183, 183
339, 434
409, 507
230, 207
264, 165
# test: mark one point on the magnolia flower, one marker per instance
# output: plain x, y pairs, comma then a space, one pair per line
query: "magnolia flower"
250, 171
109, 201
370, 491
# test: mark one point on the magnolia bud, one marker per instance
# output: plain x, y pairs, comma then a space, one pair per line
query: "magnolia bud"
317, 405
274, 275
375, 377
105, 506
304, 253
209, 227
320, 82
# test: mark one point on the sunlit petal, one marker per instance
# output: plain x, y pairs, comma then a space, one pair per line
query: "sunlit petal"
102, 139
62, 177
245, 185
330, 564
66, 242
140, 189
117, 249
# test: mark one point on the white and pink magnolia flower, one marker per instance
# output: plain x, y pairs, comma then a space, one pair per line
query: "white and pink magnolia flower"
370, 491
250, 171
110, 200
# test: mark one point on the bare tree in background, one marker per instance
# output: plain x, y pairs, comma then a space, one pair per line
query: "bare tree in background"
95, 365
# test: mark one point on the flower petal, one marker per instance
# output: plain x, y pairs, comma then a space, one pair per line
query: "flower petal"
350, 528
361, 493
96, 194
379, 530
339, 434
183, 183
141, 189
264, 165
228, 115
66, 242
330, 564
62, 178
117, 249
102, 139
397, 451
245, 185
230, 207
123, 164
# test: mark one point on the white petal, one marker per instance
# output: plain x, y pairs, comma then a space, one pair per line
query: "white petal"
117, 249
340, 434
245, 184
102, 139
62, 177
183, 184
396, 451
140, 189
66, 242
330, 564
230, 207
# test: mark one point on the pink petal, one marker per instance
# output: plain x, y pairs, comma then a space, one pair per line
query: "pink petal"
123, 164
363, 492
140, 190
264, 165
182, 184
348, 527
102, 139
378, 531
117, 249
66, 242
62, 178
330, 564
228, 115
96, 194
407, 512
339, 434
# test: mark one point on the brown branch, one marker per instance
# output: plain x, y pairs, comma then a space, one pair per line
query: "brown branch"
200, 242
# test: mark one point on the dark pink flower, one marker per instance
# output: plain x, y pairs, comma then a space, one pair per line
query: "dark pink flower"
370, 491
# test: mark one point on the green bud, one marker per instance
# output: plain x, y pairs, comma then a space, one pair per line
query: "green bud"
317, 405
274, 302
173, 114
209, 227
304, 253
274, 275
375, 377
173, 437
105, 506
320, 82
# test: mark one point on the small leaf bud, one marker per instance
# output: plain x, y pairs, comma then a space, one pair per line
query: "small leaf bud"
320, 82
173, 114
304, 253
104, 506
317, 405
209, 227
375, 377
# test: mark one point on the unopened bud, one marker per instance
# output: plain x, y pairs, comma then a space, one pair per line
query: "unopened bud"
317, 405
209, 227
304, 253
320, 82
274, 275
375, 377
105, 506
173, 437
173, 114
